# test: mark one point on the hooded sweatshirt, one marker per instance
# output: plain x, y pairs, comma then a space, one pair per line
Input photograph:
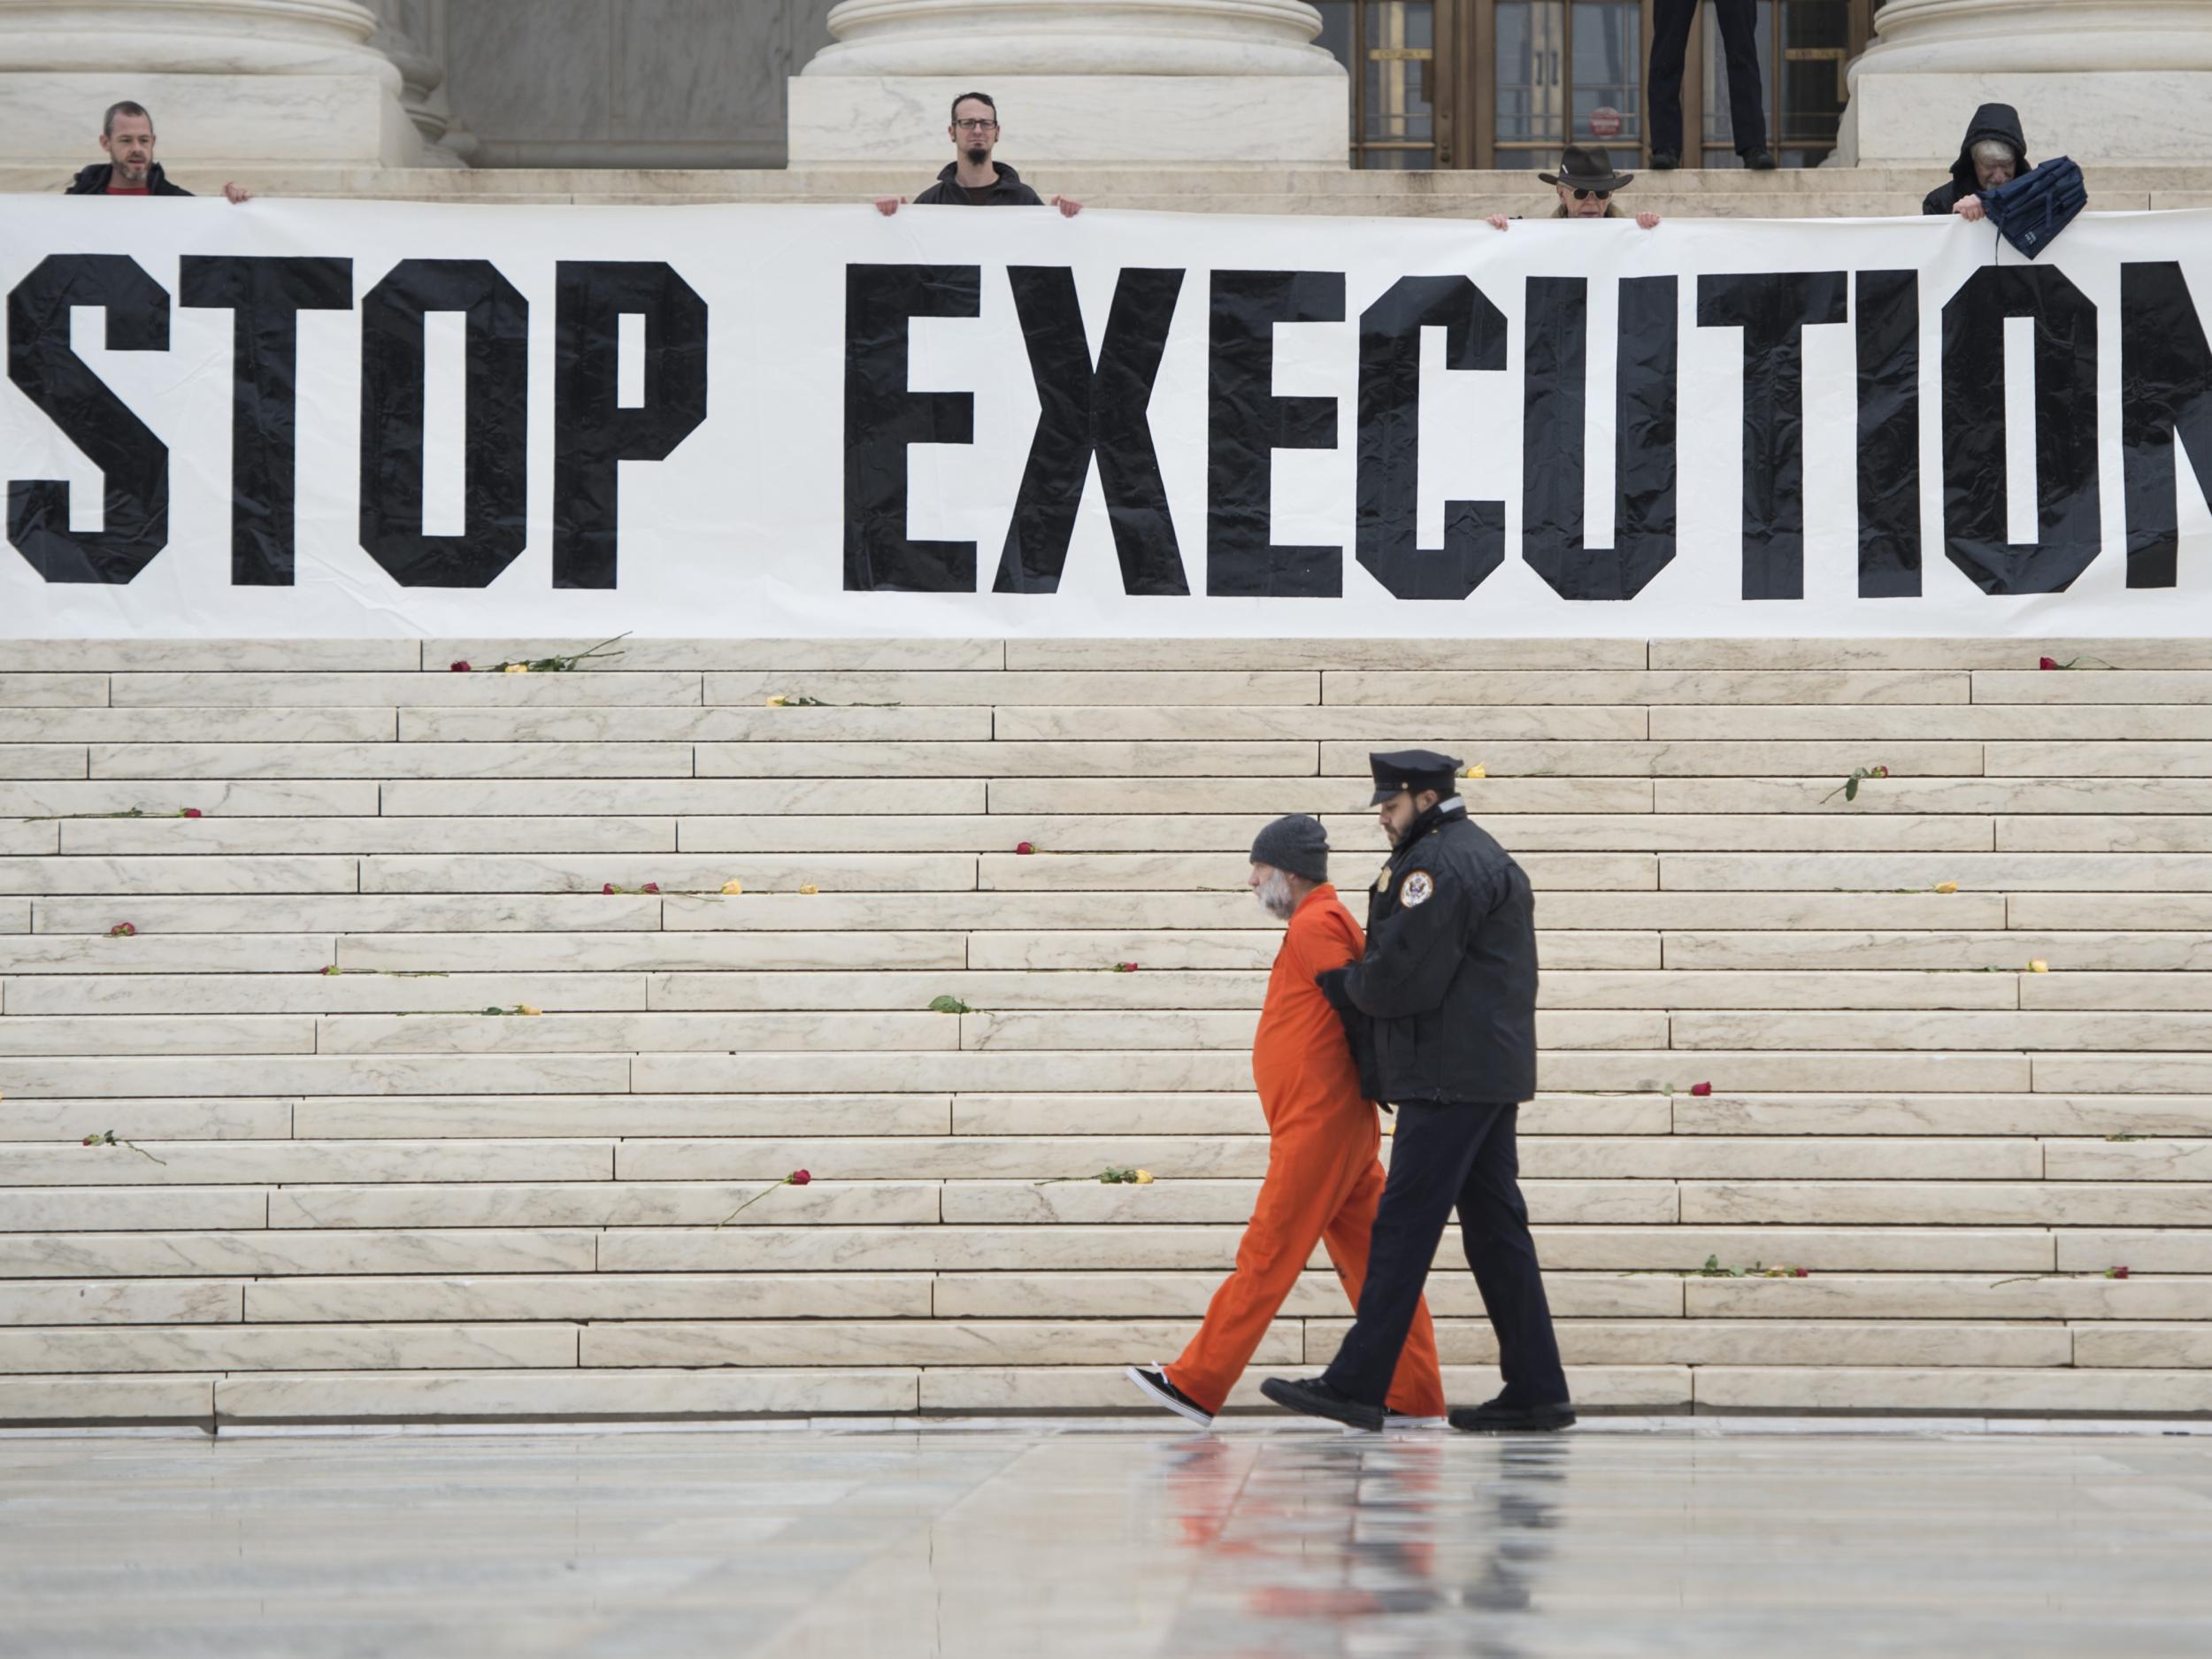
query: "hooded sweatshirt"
95, 179
1992, 120
1010, 191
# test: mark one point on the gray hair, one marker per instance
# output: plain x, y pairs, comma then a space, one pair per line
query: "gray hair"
1995, 149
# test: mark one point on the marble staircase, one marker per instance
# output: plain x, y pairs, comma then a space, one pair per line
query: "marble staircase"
353, 1190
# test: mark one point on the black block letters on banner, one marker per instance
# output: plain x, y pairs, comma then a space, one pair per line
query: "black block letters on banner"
1246, 423
133, 463
2165, 391
1390, 438
495, 448
267, 296
1555, 370
1885, 305
1085, 412
882, 418
1973, 472
591, 429
1773, 309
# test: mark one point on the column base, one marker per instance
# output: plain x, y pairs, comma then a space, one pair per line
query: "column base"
2134, 115
210, 119
1110, 119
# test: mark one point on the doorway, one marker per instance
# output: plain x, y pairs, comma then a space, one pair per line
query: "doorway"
1507, 83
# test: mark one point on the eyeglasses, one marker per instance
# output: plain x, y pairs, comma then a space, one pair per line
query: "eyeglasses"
975, 127
1584, 196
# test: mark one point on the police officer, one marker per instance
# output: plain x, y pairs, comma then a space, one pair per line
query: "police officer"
1448, 984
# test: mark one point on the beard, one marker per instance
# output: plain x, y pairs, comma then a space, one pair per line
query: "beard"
1275, 895
977, 156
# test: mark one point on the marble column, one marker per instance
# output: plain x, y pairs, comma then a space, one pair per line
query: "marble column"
1118, 82
412, 35
287, 82
2098, 80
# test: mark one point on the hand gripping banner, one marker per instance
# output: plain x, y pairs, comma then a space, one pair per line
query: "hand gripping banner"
348, 419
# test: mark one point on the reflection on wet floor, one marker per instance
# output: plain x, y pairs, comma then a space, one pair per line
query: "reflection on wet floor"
1051, 1540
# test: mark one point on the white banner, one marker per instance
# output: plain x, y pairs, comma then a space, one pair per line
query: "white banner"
340, 419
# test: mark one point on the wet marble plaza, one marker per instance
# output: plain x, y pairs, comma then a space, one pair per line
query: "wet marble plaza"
1063, 1541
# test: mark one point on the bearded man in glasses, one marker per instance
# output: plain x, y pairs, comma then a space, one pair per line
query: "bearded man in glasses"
1585, 182
972, 179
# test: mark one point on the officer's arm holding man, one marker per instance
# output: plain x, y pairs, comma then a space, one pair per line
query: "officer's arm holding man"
1412, 956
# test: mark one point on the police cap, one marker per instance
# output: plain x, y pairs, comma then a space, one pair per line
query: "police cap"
1411, 771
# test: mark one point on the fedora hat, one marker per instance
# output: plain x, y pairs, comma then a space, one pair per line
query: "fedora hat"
1587, 169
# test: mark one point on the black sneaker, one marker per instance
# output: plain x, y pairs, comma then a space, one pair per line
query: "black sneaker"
1497, 1416
1313, 1398
1154, 1382
1760, 161
1664, 161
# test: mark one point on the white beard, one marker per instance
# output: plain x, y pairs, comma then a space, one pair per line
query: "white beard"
1275, 894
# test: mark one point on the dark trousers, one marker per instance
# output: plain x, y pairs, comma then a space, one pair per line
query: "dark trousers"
1670, 38
1446, 1156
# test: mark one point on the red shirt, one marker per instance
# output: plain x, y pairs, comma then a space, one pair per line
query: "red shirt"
120, 189
1299, 1056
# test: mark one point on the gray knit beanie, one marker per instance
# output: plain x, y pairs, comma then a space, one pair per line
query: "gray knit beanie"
1297, 844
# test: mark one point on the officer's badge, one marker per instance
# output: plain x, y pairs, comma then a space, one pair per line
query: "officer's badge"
1382, 878
1417, 888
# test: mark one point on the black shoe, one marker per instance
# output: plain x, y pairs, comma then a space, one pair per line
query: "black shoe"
1664, 161
1154, 1383
1313, 1398
1497, 1416
1760, 161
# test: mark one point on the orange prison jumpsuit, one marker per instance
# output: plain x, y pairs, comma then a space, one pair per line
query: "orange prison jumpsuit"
1324, 1176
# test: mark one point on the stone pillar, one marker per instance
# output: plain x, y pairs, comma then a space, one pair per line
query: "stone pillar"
412, 35
283, 82
2098, 80
1118, 82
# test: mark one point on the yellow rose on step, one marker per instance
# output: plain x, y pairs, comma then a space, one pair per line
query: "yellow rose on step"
1144, 1178
2038, 966
1473, 771
776, 701
518, 668
1946, 886
807, 886
733, 887
525, 1008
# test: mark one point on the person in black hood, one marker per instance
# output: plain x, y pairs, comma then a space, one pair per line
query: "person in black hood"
1994, 152
972, 179
127, 133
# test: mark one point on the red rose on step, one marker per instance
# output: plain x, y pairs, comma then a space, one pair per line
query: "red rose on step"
122, 930
461, 668
1023, 847
609, 888
798, 1178
650, 886
2047, 662
1700, 1089
2117, 1272
1803, 1272
192, 811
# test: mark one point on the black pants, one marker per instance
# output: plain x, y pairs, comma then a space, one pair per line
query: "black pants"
1669, 37
1446, 1156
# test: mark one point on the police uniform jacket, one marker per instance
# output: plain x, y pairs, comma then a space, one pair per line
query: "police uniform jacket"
1448, 982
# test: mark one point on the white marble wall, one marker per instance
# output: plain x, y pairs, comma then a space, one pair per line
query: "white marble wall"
627, 83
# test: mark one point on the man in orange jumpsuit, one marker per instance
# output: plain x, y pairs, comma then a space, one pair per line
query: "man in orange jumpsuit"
1324, 1176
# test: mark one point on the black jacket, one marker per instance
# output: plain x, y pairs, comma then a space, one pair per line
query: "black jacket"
94, 180
1992, 120
1448, 981
1010, 191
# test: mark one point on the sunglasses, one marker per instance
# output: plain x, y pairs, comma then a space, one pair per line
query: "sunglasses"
1584, 196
